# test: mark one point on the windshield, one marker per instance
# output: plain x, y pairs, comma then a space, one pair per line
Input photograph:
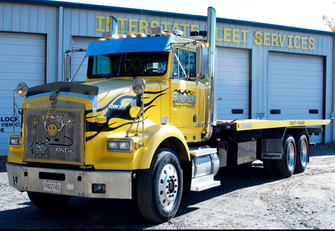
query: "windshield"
127, 64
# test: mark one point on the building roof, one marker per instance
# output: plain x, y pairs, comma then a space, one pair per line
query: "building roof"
165, 14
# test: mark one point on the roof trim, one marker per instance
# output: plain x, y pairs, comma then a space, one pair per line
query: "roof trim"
129, 45
165, 14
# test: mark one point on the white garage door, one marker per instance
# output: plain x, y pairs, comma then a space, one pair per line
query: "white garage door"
232, 83
295, 87
77, 58
22, 59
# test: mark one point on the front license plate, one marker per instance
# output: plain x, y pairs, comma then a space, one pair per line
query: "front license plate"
52, 186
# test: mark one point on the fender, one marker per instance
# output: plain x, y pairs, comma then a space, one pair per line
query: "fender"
157, 134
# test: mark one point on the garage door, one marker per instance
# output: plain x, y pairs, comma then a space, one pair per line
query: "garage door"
77, 58
22, 59
232, 83
295, 87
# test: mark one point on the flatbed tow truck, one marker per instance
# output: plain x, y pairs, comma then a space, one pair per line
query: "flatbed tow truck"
143, 126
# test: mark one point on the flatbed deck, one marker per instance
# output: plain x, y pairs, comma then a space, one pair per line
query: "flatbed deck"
253, 124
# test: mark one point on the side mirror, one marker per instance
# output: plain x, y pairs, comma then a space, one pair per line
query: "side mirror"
202, 69
202, 82
139, 86
22, 89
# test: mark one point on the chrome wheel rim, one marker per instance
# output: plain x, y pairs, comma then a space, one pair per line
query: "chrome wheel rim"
168, 186
303, 153
290, 156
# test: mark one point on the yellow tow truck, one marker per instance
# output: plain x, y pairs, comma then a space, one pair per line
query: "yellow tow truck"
143, 125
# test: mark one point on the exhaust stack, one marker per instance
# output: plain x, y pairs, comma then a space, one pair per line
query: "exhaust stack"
211, 29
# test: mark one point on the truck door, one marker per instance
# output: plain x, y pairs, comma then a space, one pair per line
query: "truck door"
185, 94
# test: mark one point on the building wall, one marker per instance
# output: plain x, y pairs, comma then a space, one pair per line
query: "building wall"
63, 23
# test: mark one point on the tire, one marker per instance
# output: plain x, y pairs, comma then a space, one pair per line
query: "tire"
285, 167
302, 153
48, 202
159, 188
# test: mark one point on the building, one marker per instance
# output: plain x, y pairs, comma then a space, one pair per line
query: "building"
268, 71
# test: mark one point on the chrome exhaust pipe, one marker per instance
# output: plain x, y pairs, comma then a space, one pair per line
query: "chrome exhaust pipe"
211, 30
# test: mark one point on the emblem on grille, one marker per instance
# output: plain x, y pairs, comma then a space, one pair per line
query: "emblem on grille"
53, 99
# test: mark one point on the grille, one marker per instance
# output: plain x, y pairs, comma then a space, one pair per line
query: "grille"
54, 135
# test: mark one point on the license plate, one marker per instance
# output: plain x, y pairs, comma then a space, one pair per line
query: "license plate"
52, 186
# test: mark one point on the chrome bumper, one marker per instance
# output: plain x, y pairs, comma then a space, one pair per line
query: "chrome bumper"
72, 182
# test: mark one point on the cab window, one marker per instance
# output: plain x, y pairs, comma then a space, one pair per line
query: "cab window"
187, 63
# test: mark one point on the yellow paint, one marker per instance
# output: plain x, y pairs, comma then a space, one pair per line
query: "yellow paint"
311, 45
244, 35
165, 25
100, 29
266, 39
274, 40
258, 38
184, 26
236, 36
251, 124
122, 21
175, 26
132, 26
291, 41
194, 27
143, 26
229, 35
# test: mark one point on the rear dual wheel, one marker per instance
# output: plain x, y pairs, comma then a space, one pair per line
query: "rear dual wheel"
302, 153
285, 167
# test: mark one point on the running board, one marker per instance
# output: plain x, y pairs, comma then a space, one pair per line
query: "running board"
204, 182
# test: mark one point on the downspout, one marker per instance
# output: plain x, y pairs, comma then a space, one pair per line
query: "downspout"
211, 28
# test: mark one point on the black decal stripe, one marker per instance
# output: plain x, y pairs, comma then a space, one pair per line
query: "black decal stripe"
147, 104
155, 92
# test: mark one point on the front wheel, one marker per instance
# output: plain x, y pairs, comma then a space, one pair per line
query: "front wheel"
46, 201
159, 188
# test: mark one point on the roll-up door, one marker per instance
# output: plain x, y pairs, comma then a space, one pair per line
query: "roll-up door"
77, 58
232, 83
295, 87
22, 59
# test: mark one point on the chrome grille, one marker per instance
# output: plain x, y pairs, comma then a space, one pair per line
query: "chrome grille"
54, 135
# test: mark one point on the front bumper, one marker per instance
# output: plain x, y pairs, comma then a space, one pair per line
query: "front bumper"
118, 184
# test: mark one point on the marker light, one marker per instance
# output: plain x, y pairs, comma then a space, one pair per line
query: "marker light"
130, 36
122, 36
101, 119
141, 35
169, 34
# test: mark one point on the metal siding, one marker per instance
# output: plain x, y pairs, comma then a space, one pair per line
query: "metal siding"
232, 82
22, 59
295, 86
28, 17
77, 58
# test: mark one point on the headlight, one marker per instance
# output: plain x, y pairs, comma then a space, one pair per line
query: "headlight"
120, 145
112, 145
15, 141
124, 145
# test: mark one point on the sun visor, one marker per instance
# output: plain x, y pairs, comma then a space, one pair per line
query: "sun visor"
128, 45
